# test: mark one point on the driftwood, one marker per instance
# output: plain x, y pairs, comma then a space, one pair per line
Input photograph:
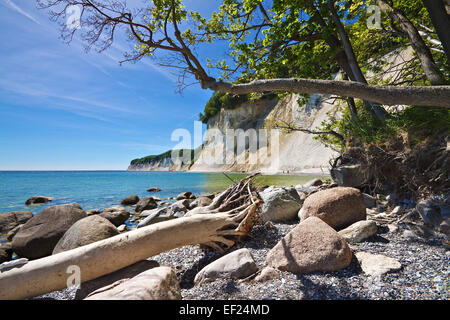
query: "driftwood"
232, 217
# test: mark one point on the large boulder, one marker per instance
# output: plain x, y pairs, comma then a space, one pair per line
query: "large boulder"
338, 207
349, 175
130, 200
129, 272
280, 204
313, 183
38, 236
10, 235
359, 231
146, 204
159, 283
311, 246
38, 200
237, 264
11, 220
85, 231
116, 215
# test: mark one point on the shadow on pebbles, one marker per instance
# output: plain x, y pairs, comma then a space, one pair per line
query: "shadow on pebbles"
424, 273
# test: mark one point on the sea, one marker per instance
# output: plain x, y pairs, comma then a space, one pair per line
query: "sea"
103, 189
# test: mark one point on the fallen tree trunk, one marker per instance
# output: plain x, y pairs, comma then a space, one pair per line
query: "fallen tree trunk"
217, 230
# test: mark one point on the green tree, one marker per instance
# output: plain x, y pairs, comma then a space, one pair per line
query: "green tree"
161, 30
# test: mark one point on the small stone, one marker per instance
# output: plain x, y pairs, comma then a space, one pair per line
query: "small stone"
267, 274
237, 264
377, 264
359, 231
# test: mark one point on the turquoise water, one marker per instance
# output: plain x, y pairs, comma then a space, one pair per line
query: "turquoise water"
103, 189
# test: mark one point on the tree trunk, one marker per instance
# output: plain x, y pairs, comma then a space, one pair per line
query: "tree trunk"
423, 53
434, 96
378, 111
441, 22
49, 274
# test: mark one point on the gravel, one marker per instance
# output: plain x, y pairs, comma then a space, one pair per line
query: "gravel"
424, 273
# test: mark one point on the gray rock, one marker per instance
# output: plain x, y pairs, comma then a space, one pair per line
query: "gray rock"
237, 264
116, 215
430, 213
313, 183
11, 220
146, 204
38, 200
92, 212
185, 195
359, 231
377, 264
85, 231
5, 252
153, 189
370, 201
38, 236
349, 175
10, 235
305, 190
267, 274
280, 205
88, 287
201, 201
158, 283
130, 200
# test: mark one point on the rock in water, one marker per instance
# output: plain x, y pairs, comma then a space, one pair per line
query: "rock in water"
38, 200
377, 264
159, 283
359, 231
153, 189
237, 264
185, 195
129, 272
280, 204
313, 183
38, 236
309, 247
338, 207
11, 220
201, 201
85, 231
130, 200
116, 215
146, 204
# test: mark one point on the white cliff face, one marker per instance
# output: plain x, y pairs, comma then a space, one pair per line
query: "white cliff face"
295, 152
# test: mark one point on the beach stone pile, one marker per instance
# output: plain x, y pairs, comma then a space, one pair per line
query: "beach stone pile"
328, 225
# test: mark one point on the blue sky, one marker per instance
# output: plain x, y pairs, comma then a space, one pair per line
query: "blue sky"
63, 109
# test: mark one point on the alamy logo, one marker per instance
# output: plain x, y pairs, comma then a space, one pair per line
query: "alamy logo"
374, 20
